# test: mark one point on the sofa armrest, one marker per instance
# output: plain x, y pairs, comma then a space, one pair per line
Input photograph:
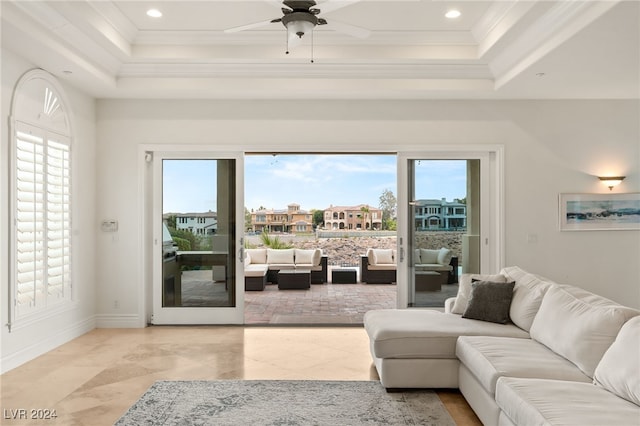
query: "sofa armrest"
448, 304
364, 268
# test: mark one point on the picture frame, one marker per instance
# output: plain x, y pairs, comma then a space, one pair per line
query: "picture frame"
599, 212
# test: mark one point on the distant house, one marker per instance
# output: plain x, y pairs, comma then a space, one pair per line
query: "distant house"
440, 214
293, 220
360, 217
197, 223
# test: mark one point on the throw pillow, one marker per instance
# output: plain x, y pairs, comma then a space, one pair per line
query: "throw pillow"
444, 256
490, 301
464, 289
619, 369
383, 256
429, 256
304, 256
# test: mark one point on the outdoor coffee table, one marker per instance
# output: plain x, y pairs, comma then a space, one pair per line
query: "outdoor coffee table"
294, 279
428, 281
344, 276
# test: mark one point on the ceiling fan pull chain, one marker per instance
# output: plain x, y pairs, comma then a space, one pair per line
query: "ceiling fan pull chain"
312, 32
286, 34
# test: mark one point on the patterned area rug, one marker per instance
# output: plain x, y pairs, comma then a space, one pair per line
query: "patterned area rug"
276, 402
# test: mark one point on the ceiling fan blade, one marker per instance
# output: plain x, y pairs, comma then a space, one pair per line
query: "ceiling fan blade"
275, 3
331, 5
348, 29
249, 26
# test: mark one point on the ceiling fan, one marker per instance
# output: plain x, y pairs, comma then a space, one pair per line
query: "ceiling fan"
300, 17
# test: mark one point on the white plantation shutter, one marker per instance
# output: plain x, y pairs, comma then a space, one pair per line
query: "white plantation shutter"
42, 220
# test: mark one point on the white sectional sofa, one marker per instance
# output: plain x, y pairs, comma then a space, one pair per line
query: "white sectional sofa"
564, 356
261, 265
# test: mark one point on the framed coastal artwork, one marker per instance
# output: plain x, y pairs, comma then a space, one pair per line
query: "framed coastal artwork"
599, 212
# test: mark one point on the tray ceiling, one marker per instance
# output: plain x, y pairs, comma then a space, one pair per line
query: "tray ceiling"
494, 50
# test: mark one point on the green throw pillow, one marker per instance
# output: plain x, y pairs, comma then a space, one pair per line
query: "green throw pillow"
490, 301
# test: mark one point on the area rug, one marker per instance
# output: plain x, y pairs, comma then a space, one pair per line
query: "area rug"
283, 402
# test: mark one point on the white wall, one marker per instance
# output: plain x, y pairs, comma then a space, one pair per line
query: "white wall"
551, 147
25, 343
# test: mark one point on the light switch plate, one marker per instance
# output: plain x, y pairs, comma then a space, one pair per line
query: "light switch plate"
109, 226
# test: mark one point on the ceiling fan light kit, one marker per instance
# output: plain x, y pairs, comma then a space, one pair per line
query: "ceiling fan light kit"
299, 23
299, 18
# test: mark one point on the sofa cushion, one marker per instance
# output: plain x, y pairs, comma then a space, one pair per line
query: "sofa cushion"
424, 333
256, 256
575, 329
255, 270
527, 295
308, 256
280, 256
619, 370
489, 301
444, 256
429, 256
464, 289
383, 256
490, 358
560, 402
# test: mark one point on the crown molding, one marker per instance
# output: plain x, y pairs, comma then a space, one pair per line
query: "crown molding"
560, 22
305, 71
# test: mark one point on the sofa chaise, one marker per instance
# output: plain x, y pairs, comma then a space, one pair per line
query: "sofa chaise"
522, 349
262, 265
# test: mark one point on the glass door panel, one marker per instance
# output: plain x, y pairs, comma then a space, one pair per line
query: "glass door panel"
198, 283
439, 215
444, 224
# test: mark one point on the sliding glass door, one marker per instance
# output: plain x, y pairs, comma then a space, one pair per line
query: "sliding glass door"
198, 277
445, 226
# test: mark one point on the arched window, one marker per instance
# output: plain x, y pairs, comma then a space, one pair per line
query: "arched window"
41, 197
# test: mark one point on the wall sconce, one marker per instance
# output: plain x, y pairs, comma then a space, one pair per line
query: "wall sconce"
611, 181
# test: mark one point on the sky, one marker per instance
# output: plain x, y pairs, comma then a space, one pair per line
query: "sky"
312, 181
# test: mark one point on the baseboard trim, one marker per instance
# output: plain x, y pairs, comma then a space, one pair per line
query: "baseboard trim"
118, 321
43, 346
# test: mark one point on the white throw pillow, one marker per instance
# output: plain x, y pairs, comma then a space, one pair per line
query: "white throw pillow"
574, 329
304, 256
464, 289
444, 256
317, 257
429, 256
383, 256
619, 370
280, 256
257, 255
527, 297
247, 258
416, 257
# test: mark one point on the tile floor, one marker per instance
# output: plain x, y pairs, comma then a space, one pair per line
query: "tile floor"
93, 379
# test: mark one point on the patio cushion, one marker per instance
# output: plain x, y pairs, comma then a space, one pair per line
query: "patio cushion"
280, 256
380, 256
429, 256
256, 255
444, 256
255, 270
309, 257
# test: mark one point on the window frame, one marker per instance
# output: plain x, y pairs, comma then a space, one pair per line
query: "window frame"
49, 119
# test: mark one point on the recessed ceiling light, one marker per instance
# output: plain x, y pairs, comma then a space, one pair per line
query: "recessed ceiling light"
154, 13
453, 14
